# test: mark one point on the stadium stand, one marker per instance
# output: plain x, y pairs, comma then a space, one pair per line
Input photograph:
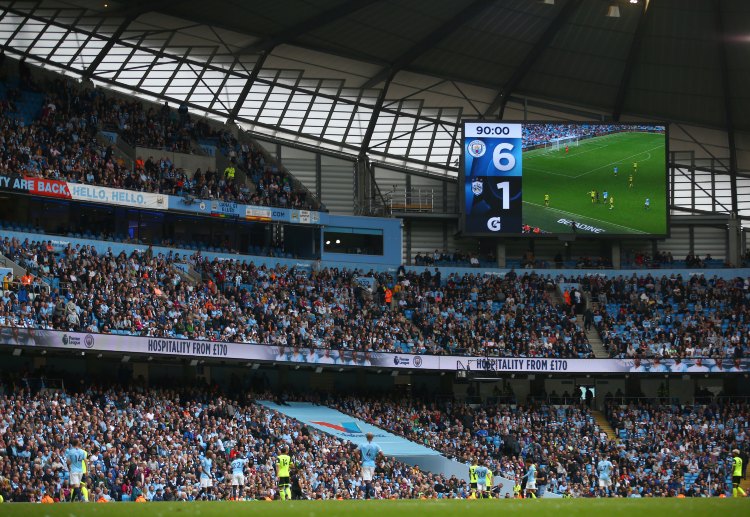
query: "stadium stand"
142, 294
150, 442
536, 135
516, 315
670, 316
661, 449
52, 131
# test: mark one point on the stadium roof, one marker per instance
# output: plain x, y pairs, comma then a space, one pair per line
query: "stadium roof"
394, 77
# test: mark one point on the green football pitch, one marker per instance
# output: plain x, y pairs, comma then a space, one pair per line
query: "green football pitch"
520, 508
569, 178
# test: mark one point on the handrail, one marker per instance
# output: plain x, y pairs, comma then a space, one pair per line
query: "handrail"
696, 400
416, 199
32, 288
313, 201
18, 269
39, 384
119, 145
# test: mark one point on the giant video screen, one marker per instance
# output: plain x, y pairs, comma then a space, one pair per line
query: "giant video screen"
564, 178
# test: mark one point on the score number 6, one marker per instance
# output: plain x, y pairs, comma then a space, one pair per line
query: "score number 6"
499, 156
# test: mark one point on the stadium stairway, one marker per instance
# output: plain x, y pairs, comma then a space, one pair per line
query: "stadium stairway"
604, 424
240, 177
597, 347
18, 271
120, 149
188, 274
346, 427
594, 340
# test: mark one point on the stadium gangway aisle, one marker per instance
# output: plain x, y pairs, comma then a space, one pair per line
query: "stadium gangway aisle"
348, 428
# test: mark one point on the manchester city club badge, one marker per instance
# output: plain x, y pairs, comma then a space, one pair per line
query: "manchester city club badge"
477, 148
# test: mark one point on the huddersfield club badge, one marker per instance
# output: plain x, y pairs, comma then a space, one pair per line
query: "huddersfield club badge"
477, 187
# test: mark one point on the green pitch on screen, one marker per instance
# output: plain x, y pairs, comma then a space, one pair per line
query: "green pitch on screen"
569, 178
509, 508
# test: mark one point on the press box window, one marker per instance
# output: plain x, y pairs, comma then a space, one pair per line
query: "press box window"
353, 241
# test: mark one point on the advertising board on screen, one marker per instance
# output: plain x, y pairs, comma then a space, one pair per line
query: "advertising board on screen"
557, 178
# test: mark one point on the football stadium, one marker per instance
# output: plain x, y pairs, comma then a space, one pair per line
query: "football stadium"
368, 257
628, 166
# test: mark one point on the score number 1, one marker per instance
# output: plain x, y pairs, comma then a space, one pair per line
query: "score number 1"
504, 187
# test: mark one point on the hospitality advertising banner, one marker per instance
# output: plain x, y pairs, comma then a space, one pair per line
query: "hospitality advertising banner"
192, 349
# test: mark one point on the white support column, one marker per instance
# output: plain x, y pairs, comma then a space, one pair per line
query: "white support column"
734, 242
616, 255
500, 254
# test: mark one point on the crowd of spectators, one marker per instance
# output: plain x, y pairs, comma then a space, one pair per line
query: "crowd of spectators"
142, 294
299, 309
664, 259
680, 448
448, 258
272, 187
587, 262
539, 134
62, 143
670, 316
147, 445
660, 450
639, 259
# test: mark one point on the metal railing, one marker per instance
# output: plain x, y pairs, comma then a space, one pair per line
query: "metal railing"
413, 200
8, 262
313, 201
33, 289
674, 400
43, 384
120, 147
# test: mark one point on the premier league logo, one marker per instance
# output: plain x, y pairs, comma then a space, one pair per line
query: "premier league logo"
477, 148
477, 187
